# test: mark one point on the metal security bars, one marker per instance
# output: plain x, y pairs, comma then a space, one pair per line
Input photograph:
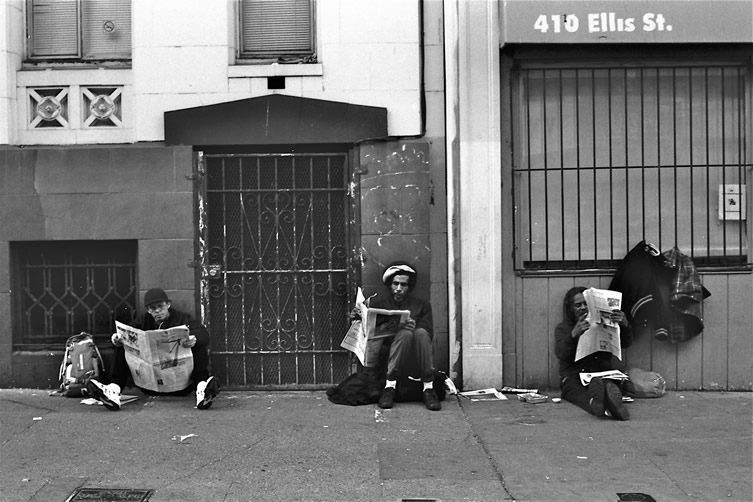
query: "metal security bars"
605, 157
64, 288
276, 268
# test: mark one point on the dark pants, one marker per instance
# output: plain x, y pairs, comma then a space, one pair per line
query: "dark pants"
410, 346
577, 393
120, 372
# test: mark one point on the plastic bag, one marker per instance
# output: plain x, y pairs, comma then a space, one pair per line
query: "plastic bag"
645, 384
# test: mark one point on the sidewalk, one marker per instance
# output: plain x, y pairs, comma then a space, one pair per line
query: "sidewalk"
289, 446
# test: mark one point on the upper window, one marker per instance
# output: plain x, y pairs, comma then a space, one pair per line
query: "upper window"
79, 30
279, 30
607, 156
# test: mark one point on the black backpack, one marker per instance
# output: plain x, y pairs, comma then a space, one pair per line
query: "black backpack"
81, 361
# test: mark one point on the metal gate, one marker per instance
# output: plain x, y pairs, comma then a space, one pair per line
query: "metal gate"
275, 261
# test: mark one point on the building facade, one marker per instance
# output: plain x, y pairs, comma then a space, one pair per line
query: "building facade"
581, 129
260, 160
257, 160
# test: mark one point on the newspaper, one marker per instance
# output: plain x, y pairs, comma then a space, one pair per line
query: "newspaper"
604, 334
157, 358
585, 378
364, 330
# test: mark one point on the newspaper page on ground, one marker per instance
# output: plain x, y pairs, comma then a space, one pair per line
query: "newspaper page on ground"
157, 358
603, 335
362, 331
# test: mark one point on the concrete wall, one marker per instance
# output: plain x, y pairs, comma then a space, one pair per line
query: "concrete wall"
53, 193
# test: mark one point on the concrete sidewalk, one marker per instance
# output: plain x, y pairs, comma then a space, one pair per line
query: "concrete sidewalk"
298, 446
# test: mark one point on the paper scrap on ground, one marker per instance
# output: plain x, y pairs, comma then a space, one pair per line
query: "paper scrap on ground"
490, 394
516, 390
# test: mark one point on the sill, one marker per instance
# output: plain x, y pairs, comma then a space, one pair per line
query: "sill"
275, 70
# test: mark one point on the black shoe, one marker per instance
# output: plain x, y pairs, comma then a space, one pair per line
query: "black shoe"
206, 392
614, 402
596, 393
387, 399
431, 400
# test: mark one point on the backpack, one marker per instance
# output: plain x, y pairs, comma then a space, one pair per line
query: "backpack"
81, 361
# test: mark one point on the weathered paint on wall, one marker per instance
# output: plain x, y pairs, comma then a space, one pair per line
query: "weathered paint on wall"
396, 196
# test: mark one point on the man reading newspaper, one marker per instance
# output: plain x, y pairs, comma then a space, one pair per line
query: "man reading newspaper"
588, 344
167, 355
405, 323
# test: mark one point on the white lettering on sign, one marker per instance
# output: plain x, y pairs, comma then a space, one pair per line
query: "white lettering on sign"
600, 22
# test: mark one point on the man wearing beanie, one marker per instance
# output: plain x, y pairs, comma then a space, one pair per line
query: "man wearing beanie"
408, 339
160, 314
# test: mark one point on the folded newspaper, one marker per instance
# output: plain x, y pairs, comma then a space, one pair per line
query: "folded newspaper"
604, 334
585, 378
157, 358
364, 330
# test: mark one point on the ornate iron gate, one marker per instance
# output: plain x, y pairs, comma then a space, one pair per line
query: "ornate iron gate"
275, 261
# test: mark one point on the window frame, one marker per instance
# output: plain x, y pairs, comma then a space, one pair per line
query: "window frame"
521, 59
56, 283
243, 56
114, 57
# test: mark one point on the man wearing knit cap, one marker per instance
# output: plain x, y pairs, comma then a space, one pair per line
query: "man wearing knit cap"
408, 338
160, 314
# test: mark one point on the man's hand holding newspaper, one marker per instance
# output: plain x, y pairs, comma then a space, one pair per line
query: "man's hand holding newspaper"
604, 317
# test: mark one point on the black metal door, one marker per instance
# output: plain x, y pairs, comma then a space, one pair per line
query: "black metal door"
275, 261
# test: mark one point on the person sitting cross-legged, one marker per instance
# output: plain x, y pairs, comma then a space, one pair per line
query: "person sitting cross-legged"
161, 315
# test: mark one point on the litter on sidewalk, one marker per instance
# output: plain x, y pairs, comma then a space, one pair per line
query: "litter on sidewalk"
490, 394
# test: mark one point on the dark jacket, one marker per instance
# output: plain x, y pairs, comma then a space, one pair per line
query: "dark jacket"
564, 349
420, 311
178, 318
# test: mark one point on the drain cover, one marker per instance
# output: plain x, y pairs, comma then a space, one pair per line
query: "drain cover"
109, 495
635, 497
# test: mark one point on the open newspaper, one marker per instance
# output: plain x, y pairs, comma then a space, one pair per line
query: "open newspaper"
364, 330
604, 334
157, 358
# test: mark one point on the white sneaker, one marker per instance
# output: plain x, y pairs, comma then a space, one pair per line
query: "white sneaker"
206, 391
108, 395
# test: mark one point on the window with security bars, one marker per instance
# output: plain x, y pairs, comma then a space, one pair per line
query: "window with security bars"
61, 288
279, 30
605, 157
79, 30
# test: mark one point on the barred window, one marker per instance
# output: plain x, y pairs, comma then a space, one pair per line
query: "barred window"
79, 30
280, 30
605, 157
61, 288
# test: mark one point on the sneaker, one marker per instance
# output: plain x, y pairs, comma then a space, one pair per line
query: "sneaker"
596, 393
387, 399
108, 395
431, 400
614, 402
206, 391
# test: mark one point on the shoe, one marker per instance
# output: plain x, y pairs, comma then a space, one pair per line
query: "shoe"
387, 399
614, 402
596, 393
206, 391
431, 400
108, 395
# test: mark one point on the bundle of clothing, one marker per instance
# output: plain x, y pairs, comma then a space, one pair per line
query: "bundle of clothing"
661, 292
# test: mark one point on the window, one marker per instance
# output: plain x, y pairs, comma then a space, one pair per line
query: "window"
279, 30
79, 30
63, 288
608, 156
